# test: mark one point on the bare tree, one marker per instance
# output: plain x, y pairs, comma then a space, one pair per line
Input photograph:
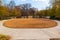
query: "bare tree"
25, 8
11, 6
33, 12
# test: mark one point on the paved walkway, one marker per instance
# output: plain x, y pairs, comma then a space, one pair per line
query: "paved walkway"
37, 34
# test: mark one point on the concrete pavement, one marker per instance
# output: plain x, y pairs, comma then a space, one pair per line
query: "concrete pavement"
31, 34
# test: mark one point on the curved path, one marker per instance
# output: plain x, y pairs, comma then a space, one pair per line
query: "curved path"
37, 34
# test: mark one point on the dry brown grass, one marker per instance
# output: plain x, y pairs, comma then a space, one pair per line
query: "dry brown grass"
30, 23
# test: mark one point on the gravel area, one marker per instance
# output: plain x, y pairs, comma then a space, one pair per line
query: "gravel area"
30, 23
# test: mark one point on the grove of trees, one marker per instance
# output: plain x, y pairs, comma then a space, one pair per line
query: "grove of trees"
26, 10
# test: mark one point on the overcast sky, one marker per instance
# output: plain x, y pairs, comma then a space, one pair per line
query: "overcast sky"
40, 4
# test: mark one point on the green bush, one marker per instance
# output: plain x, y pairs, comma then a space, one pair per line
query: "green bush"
52, 17
4, 37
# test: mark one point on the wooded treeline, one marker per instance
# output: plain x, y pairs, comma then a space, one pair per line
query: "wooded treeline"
26, 11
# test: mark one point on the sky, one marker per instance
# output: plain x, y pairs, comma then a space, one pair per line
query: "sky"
40, 4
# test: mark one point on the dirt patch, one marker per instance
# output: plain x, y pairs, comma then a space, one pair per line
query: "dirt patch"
30, 23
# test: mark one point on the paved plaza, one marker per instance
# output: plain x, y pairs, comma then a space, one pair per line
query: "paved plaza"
37, 34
